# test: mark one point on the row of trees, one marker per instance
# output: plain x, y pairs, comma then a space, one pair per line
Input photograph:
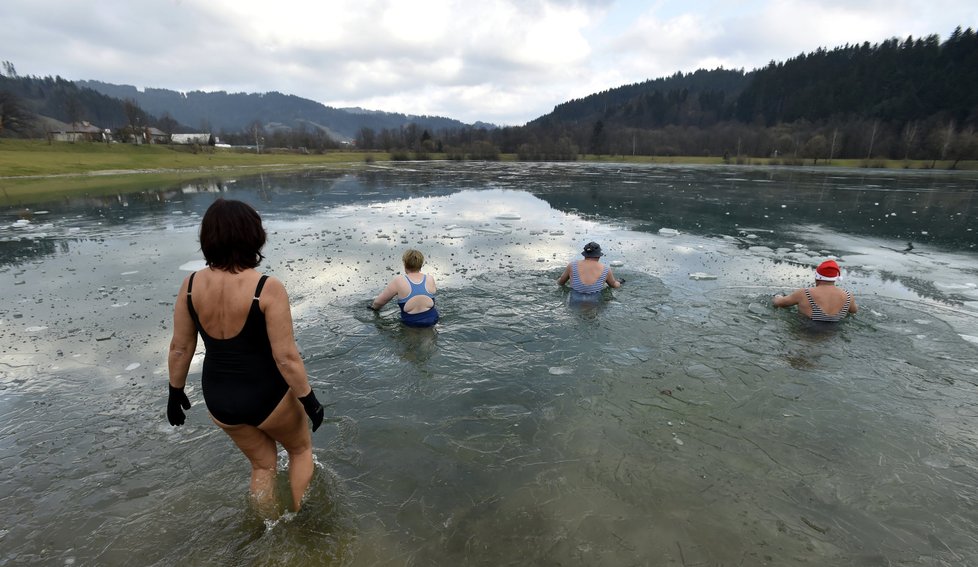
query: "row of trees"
801, 140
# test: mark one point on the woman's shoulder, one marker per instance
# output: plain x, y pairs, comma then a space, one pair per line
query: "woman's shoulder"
272, 287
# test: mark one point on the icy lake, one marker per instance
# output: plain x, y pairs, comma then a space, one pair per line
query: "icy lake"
683, 421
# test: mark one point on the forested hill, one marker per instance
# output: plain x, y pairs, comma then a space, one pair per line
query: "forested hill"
65, 101
902, 98
654, 102
233, 112
896, 80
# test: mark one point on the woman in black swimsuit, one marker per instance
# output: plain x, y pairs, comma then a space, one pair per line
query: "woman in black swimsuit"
254, 381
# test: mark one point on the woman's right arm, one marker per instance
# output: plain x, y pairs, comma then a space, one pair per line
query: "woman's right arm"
184, 340
384, 296
564, 276
788, 300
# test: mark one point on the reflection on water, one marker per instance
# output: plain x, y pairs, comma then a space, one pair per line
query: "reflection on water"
679, 420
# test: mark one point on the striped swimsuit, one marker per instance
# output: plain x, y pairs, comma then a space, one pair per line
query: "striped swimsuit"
819, 315
580, 287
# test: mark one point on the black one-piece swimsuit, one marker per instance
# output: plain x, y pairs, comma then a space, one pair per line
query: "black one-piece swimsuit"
240, 380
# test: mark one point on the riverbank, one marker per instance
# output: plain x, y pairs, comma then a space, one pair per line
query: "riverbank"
40, 168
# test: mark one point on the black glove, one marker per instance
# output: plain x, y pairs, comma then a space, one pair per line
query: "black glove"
313, 408
621, 280
176, 400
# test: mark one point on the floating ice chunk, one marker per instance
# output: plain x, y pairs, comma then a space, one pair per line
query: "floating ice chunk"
616, 263
490, 230
129, 273
560, 370
701, 276
35, 329
952, 286
556, 233
508, 216
970, 338
668, 232
133, 366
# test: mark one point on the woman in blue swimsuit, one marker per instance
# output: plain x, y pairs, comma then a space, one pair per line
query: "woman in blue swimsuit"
253, 380
824, 302
588, 277
415, 292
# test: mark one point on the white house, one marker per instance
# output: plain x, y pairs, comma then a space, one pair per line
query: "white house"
199, 138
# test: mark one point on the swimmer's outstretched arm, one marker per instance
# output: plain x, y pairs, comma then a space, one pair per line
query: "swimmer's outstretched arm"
792, 298
384, 296
564, 276
612, 282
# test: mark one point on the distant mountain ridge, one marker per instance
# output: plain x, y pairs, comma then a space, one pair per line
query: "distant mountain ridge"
234, 112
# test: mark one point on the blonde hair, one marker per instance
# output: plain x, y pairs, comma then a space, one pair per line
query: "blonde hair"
413, 260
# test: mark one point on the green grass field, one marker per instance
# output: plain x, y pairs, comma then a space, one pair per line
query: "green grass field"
41, 170
38, 169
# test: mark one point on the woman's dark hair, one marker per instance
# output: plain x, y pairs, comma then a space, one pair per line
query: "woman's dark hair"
231, 236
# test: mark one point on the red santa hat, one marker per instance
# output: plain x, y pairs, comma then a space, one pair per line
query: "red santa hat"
828, 271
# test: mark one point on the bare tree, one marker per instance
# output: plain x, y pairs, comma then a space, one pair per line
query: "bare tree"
366, 138
73, 110
14, 116
257, 130
909, 138
815, 147
168, 124
133, 116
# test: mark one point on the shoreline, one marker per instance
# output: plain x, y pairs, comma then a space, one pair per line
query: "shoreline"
35, 170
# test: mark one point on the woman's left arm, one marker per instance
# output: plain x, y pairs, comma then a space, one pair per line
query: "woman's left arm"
278, 322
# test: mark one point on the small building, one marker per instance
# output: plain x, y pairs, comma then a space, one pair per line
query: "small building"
80, 132
155, 136
197, 138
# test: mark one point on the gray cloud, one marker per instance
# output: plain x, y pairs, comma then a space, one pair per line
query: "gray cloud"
503, 61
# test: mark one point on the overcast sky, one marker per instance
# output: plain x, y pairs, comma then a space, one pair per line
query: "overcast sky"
500, 61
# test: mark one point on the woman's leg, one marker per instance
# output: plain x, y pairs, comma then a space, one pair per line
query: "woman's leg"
287, 425
261, 451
